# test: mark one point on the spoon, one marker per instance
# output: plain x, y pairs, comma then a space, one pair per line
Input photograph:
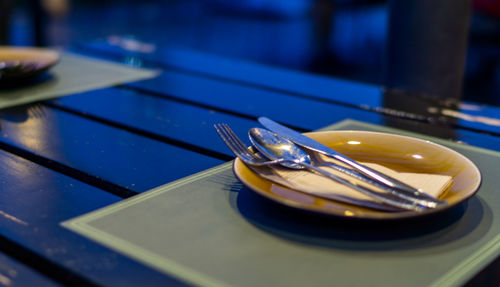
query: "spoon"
290, 155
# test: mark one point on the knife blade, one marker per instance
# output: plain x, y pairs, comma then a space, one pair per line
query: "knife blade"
396, 186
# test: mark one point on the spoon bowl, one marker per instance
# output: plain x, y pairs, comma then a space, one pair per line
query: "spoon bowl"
275, 147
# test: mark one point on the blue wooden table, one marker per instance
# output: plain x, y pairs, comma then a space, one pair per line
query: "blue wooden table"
85, 151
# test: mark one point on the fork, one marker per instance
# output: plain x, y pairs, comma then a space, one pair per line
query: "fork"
242, 152
240, 149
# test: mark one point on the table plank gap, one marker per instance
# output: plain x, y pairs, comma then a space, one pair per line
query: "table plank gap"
142, 132
110, 187
42, 265
17, 273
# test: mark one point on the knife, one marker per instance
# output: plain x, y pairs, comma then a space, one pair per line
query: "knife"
395, 186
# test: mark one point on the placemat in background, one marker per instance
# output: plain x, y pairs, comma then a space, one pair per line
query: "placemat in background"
72, 74
209, 230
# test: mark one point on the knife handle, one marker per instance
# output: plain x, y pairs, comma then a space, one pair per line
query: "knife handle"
397, 187
387, 198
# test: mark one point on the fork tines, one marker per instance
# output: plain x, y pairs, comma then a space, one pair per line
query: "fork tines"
231, 139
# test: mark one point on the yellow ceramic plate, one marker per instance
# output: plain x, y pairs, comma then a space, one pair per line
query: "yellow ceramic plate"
40, 60
401, 153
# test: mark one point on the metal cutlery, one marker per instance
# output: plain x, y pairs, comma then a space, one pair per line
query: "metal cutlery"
393, 185
243, 153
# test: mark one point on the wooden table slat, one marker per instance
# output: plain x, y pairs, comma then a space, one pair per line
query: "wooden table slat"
126, 159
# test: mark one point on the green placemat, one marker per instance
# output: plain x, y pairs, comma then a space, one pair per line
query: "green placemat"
72, 74
209, 230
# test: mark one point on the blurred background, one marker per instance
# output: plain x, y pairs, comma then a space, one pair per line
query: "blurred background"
340, 38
